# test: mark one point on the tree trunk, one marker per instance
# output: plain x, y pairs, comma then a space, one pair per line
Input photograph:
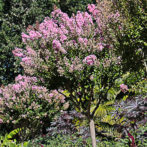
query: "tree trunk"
92, 133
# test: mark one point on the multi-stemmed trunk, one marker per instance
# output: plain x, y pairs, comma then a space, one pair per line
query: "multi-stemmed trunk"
90, 117
92, 132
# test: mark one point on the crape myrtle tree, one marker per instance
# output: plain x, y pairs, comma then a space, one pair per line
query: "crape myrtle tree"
75, 54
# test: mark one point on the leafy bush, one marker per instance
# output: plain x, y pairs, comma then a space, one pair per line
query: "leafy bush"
28, 106
132, 42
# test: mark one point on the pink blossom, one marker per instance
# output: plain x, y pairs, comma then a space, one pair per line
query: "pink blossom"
83, 40
33, 79
6, 95
49, 100
23, 84
18, 78
18, 52
27, 60
91, 77
100, 46
56, 12
123, 88
13, 98
34, 35
25, 37
30, 51
51, 95
88, 17
63, 38
80, 40
57, 46
79, 19
62, 100
115, 17
90, 60
91, 7
35, 87
16, 87
95, 12
119, 27
63, 50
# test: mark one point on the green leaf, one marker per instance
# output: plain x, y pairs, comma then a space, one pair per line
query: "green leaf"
12, 133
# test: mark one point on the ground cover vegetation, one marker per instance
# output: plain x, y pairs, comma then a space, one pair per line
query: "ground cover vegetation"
84, 78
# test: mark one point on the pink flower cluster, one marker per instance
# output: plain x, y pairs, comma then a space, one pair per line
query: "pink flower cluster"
57, 96
25, 84
60, 31
32, 35
65, 43
20, 94
18, 52
124, 88
57, 46
62, 36
60, 28
30, 51
25, 37
90, 60
92, 8
100, 46
83, 40
26, 79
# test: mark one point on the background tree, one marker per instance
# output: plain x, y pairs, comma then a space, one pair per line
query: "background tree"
132, 42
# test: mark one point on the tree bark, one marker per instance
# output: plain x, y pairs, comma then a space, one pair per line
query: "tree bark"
92, 132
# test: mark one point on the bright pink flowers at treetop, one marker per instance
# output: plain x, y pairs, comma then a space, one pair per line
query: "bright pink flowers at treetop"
81, 34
